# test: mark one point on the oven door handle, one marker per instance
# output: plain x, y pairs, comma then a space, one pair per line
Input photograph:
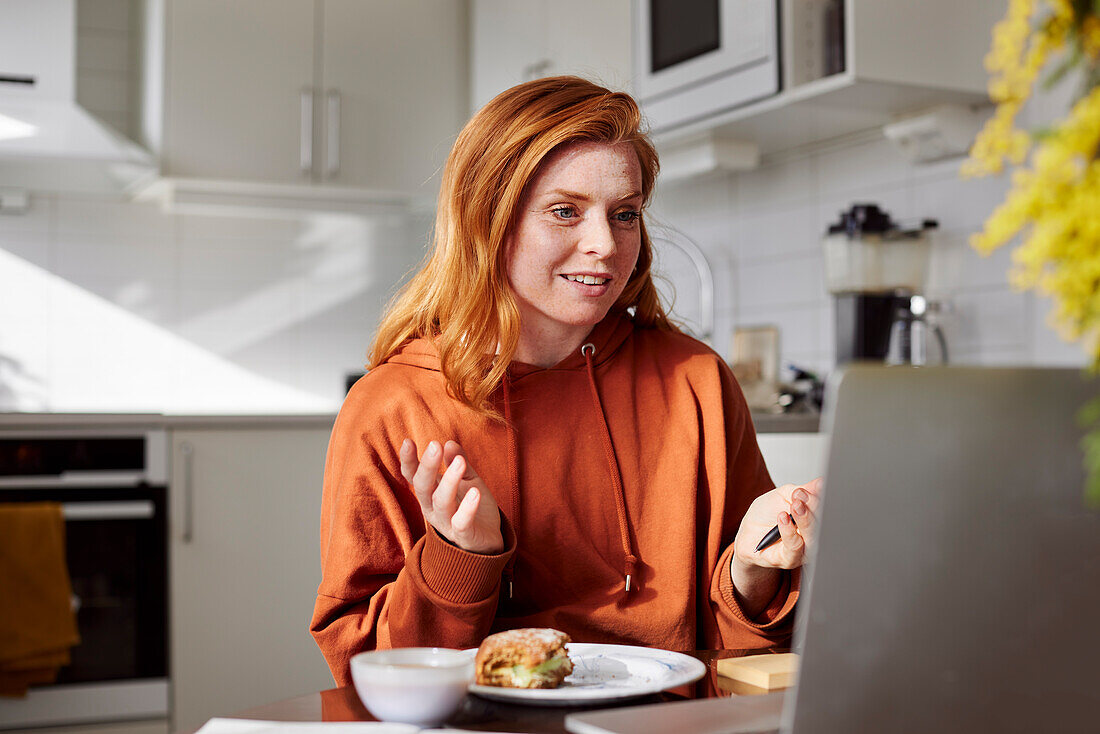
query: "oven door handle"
136, 510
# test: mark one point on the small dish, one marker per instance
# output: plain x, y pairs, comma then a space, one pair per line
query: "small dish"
412, 685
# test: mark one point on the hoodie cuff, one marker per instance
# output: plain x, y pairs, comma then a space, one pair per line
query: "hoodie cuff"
458, 575
778, 612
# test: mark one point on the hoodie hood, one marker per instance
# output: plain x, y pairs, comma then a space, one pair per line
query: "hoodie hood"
607, 336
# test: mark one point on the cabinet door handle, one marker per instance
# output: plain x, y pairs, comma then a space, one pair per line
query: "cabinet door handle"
332, 141
188, 453
137, 510
305, 150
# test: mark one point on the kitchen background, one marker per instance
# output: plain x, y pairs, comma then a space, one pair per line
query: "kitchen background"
114, 305
236, 294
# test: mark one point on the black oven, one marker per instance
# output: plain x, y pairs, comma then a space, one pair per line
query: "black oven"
112, 487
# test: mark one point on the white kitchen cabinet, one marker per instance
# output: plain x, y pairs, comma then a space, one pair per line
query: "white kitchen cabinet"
396, 73
355, 93
235, 76
513, 41
245, 568
901, 58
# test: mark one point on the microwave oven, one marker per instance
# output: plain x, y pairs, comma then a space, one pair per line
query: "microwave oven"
697, 58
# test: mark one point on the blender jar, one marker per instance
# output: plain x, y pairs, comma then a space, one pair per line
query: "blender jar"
867, 252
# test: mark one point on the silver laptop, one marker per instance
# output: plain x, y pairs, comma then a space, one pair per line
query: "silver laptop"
956, 581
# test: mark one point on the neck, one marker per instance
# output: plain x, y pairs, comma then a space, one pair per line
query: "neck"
547, 347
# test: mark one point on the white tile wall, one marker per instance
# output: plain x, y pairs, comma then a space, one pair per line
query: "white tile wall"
1047, 346
762, 232
107, 305
117, 306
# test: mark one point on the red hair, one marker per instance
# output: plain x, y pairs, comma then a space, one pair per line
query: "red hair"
461, 297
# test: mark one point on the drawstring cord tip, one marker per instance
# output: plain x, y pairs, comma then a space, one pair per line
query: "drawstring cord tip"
509, 588
628, 582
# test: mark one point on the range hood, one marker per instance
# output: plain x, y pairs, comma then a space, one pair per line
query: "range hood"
47, 141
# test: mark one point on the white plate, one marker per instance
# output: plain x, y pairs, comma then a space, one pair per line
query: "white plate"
606, 672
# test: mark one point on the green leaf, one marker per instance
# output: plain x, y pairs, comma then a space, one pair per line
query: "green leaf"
1088, 417
1071, 60
1044, 133
1092, 468
1089, 414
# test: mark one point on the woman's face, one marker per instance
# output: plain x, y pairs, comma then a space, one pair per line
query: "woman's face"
576, 240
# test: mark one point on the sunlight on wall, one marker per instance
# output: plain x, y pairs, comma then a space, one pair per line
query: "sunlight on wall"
335, 260
12, 129
87, 354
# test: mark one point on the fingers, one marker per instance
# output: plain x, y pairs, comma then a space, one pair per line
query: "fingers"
436, 494
804, 507
424, 478
445, 497
789, 534
803, 498
463, 518
407, 454
815, 487
455, 502
452, 450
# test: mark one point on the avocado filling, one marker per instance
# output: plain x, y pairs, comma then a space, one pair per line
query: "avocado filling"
524, 675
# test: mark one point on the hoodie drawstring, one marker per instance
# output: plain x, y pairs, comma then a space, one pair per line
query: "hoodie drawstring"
589, 352
513, 465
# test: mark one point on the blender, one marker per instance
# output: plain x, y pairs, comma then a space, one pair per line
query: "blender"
873, 269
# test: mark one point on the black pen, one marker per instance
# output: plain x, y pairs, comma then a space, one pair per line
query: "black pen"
772, 537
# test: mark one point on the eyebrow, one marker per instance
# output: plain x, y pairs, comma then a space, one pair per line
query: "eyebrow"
582, 197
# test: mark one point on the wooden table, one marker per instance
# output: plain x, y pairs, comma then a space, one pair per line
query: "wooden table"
343, 704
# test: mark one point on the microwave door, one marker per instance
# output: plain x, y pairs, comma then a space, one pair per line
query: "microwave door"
685, 72
688, 42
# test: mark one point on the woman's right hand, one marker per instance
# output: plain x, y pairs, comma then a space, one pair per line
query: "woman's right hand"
457, 503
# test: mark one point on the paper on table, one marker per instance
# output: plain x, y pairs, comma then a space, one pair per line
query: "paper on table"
250, 726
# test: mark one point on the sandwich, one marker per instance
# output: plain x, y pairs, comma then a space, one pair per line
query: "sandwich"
523, 658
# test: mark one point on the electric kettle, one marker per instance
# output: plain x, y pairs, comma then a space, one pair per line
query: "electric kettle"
915, 337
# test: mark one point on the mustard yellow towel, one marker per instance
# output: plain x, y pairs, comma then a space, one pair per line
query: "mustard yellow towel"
37, 623
15, 684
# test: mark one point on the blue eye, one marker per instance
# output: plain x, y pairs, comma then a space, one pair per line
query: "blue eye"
627, 217
565, 212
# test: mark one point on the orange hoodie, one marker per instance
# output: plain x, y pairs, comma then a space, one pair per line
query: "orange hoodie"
638, 457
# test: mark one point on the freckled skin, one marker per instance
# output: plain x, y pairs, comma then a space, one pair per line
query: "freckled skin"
580, 216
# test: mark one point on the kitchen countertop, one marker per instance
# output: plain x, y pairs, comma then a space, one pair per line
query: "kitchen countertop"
10, 421
764, 422
787, 422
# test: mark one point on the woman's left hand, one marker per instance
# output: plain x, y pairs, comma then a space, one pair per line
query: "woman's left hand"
794, 508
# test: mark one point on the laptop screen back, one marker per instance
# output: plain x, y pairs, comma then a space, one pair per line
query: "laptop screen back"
956, 582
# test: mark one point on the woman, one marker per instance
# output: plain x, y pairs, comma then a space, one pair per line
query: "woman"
535, 444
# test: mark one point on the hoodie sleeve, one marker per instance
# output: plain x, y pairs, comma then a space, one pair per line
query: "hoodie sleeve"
745, 478
385, 581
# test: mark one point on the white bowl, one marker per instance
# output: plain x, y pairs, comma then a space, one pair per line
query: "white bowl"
413, 685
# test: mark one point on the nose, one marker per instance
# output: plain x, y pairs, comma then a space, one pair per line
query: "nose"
599, 238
